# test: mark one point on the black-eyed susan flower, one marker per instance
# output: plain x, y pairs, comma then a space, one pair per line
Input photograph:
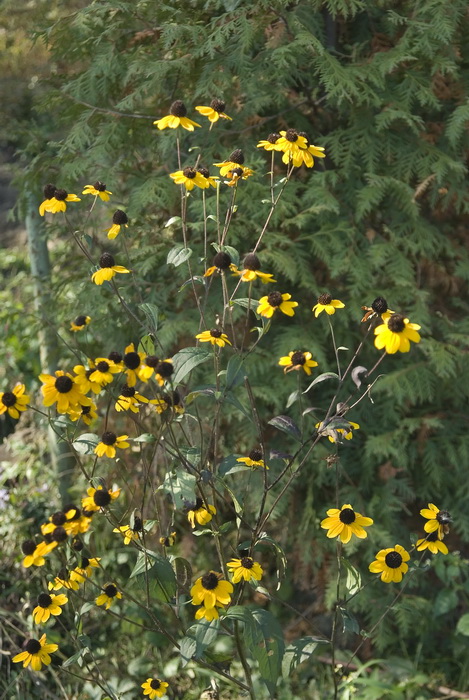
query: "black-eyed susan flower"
276, 301
49, 191
221, 263
432, 543
290, 143
215, 111
119, 219
86, 413
168, 540
200, 513
109, 594
208, 614
244, 569
438, 520
108, 269
103, 371
391, 564
210, 179
63, 580
132, 362
85, 570
241, 172
115, 357
98, 190
48, 605
35, 553
330, 430
214, 336
396, 333
296, 360
154, 688
254, 459
305, 155
270, 143
98, 498
79, 323
164, 370
76, 523
235, 160
345, 522
129, 400
63, 390
57, 519
176, 117
148, 367
251, 270
57, 202
108, 443
36, 652
189, 177
328, 304
131, 533
14, 402
169, 401
211, 589
83, 378
379, 307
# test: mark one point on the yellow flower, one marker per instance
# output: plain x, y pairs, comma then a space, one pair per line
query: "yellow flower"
103, 369
396, 333
305, 155
107, 270
49, 192
154, 688
189, 177
147, 367
13, 402
296, 360
48, 605
245, 569
220, 263
176, 117
62, 581
79, 323
215, 336
211, 180
130, 533
98, 498
129, 400
36, 652
391, 564
432, 543
330, 430
163, 371
345, 522
82, 378
254, 459
168, 401
251, 270
200, 513
273, 301
57, 202
35, 554
438, 520
98, 190
328, 304
211, 589
241, 172
235, 160
208, 614
133, 364
270, 144
215, 111
108, 596
379, 307
290, 143
64, 390
86, 413
119, 219
169, 540
80, 573
108, 444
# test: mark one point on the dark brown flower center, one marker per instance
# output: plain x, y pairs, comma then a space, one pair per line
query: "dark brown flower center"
380, 305
291, 135
102, 366
61, 195
80, 321
432, 537
100, 186
443, 517
209, 581
155, 684
106, 260
108, 438
396, 323
165, 369
252, 262
222, 261
115, 356
120, 217
102, 498
77, 545
189, 172
325, 299
63, 384
8, 398
59, 518
347, 516
215, 333
304, 135
178, 109
298, 358
44, 600
85, 410
138, 525
237, 156
236, 172
274, 299
217, 105
132, 360
49, 191
204, 172
128, 391
110, 590
255, 454
273, 138
59, 534
85, 562
247, 562
28, 547
393, 560
32, 646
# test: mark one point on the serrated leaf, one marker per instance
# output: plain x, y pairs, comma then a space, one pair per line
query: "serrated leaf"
85, 443
186, 360
322, 378
178, 255
286, 425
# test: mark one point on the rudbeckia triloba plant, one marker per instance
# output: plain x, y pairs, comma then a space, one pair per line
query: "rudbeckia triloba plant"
164, 483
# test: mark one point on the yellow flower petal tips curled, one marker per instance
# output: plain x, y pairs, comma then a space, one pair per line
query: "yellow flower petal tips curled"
48, 605
15, 401
215, 111
211, 589
296, 360
244, 569
344, 523
199, 513
36, 652
328, 304
391, 564
214, 336
176, 117
275, 300
154, 688
108, 269
108, 596
98, 190
396, 333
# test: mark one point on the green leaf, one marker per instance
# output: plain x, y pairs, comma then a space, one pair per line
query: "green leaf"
353, 580
205, 634
294, 396
234, 401
445, 601
146, 344
162, 580
322, 378
463, 625
281, 559
85, 444
246, 303
180, 486
151, 316
349, 621
287, 425
186, 360
298, 651
235, 372
187, 650
74, 659
144, 437
178, 255
173, 220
